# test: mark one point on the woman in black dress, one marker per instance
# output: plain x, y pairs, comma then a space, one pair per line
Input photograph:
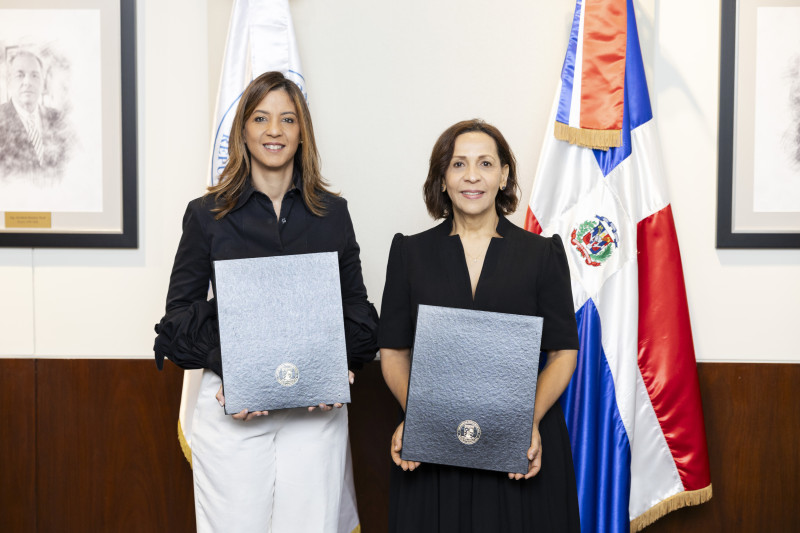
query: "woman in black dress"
477, 259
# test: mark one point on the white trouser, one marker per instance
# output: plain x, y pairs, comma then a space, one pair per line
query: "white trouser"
280, 473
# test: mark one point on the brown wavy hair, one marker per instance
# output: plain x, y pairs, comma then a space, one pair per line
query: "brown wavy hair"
237, 171
438, 203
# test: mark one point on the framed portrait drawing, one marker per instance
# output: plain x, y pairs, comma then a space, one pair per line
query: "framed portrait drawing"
68, 154
758, 193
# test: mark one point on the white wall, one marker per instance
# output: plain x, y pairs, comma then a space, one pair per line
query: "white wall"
384, 79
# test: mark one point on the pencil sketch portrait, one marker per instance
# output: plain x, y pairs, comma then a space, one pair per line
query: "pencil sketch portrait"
34, 138
51, 154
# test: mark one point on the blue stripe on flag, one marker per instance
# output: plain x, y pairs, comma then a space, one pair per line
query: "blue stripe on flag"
600, 448
568, 70
637, 108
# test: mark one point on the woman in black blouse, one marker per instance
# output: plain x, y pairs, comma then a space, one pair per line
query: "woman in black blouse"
477, 259
282, 469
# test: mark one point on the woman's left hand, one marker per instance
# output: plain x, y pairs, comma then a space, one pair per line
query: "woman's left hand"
323, 407
534, 456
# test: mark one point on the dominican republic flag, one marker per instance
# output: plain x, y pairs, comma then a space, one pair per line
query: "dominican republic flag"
633, 406
260, 39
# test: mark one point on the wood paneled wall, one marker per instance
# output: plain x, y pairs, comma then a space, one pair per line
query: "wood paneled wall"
91, 445
752, 414
18, 445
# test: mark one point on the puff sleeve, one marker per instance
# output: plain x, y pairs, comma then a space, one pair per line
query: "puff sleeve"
188, 334
559, 329
396, 328
360, 316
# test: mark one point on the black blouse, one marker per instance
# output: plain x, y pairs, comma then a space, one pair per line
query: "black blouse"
523, 273
188, 335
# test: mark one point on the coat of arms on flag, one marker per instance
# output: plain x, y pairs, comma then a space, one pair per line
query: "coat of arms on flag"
633, 406
595, 239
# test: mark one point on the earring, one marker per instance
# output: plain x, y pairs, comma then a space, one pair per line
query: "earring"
444, 187
502, 188
301, 141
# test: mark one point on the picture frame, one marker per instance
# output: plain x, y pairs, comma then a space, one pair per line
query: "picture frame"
745, 216
101, 212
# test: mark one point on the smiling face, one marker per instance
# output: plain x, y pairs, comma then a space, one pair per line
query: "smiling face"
25, 81
272, 134
475, 174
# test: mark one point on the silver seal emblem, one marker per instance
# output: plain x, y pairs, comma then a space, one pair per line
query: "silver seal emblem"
468, 432
287, 374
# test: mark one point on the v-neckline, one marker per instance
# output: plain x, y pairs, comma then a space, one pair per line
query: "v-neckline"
452, 254
465, 265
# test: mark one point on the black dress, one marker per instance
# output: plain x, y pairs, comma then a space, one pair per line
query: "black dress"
523, 273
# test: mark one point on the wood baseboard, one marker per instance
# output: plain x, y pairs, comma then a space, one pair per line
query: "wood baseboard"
91, 445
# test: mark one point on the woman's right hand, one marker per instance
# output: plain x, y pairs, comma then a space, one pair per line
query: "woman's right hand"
397, 445
244, 414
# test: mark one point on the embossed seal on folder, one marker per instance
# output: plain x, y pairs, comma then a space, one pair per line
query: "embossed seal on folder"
468, 432
472, 388
281, 330
287, 374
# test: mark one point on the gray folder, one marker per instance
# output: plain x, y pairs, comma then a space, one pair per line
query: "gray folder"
472, 389
281, 331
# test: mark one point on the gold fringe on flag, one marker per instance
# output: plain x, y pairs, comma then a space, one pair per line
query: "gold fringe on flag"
187, 451
598, 139
682, 499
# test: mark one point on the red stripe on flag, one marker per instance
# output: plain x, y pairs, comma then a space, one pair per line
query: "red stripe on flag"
666, 351
531, 224
603, 69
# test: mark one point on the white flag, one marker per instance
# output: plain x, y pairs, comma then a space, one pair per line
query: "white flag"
260, 39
